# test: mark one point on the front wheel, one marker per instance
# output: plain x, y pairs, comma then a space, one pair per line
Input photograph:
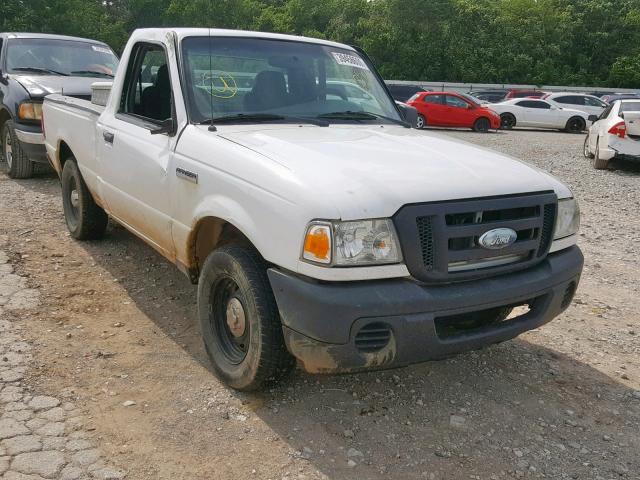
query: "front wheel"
85, 219
18, 164
507, 121
239, 319
421, 121
482, 125
575, 125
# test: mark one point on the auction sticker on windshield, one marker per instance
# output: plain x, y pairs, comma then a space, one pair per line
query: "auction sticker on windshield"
97, 48
349, 60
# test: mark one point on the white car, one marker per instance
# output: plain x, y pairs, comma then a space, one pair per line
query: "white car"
532, 112
615, 134
577, 101
314, 229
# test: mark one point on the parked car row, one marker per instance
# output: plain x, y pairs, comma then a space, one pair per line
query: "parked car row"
500, 95
31, 67
448, 109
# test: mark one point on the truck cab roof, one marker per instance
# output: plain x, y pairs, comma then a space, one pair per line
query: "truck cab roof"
182, 33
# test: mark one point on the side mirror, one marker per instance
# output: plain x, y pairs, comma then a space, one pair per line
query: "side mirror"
593, 118
409, 114
166, 126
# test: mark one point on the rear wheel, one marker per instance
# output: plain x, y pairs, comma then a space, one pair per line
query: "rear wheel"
18, 163
85, 219
575, 125
421, 121
482, 125
586, 152
599, 163
239, 319
507, 121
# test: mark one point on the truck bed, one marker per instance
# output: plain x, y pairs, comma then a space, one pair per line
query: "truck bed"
71, 121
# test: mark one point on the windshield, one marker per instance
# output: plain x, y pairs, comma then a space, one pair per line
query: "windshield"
242, 77
60, 57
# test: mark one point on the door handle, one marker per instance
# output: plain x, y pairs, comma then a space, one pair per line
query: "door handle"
108, 137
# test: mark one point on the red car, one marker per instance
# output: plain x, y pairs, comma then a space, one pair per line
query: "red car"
445, 109
517, 93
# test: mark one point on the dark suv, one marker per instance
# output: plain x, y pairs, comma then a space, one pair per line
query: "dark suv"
33, 65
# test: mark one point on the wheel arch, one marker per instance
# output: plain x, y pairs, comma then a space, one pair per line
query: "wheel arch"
63, 153
4, 117
210, 231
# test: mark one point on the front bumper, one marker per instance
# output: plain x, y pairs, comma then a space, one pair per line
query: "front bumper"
32, 142
323, 322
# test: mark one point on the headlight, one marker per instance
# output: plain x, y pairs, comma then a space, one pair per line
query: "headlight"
568, 222
363, 242
30, 111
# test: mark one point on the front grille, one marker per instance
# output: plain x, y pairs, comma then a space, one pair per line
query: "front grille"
425, 234
440, 241
546, 236
373, 337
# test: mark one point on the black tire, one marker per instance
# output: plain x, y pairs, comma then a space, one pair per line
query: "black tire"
507, 121
575, 125
421, 122
252, 352
18, 164
482, 125
85, 219
585, 149
599, 163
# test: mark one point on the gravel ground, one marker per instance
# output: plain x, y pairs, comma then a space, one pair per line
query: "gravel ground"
115, 335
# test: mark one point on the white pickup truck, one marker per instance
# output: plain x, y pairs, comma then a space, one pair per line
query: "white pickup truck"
278, 173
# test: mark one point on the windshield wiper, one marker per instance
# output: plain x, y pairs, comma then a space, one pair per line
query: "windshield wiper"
263, 117
91, 72
39, 70
360, 115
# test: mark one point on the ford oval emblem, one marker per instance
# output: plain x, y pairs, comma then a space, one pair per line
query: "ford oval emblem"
498, 238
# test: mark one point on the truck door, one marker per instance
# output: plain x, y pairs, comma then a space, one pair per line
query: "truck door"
134, 157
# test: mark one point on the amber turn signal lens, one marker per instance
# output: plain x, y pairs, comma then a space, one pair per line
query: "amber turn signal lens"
317, 244
30, 111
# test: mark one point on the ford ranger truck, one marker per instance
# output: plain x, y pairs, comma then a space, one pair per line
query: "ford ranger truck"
278, 173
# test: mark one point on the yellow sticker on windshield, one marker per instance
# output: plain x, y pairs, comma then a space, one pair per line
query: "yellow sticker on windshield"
223, 86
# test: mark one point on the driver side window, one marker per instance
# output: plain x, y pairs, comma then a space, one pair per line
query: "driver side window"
147, 91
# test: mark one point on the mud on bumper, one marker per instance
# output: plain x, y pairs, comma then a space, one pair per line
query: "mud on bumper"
351, 326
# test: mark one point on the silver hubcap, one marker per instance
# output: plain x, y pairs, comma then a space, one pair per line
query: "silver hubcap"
420, 122
8, 150
75, 198
235, 317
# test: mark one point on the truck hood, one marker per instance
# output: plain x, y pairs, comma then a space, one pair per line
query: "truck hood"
42, 85
372, 171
